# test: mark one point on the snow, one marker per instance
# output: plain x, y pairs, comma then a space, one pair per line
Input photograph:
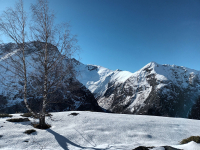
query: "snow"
189, 146
100, 131
121, 76
9, 55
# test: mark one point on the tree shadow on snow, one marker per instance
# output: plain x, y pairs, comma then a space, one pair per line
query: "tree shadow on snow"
64, 142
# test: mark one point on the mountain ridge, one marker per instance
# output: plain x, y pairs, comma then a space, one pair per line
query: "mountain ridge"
155, 89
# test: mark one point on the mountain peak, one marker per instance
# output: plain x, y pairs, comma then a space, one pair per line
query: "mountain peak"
153, 62
118, 70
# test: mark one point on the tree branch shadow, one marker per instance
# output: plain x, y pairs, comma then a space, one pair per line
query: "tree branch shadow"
64, 142
88, 139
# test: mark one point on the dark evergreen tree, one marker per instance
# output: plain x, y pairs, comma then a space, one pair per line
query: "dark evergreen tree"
195, 111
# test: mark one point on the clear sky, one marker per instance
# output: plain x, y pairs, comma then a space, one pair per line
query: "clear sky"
128, 34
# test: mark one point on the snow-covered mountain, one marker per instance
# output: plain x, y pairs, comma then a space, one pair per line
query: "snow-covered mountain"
70, 95
166, 90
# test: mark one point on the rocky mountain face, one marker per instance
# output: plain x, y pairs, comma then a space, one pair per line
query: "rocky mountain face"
72, 95
162, 90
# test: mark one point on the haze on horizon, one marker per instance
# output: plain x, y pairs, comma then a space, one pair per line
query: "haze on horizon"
129, 34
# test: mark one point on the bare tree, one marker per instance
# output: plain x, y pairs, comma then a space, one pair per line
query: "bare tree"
54, 53
46, 69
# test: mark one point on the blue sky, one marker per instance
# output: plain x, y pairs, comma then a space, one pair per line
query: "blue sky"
128, 34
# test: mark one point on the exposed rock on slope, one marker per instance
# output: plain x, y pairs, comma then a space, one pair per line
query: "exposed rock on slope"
166, 90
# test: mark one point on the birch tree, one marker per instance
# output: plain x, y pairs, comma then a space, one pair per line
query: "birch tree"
55, 51
51, 59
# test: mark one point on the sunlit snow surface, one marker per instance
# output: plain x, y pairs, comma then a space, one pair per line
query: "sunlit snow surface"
100, 131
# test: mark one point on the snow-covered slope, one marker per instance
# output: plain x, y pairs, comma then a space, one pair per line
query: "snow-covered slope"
70, 95
155, 89
100, 131
96, 78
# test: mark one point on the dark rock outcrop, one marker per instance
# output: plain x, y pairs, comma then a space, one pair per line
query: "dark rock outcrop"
149, 148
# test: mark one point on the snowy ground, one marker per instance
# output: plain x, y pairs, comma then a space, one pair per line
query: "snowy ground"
100, 131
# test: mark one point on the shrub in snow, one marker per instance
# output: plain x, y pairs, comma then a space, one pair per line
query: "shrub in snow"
30, 131
192, 138
74, 114
18, 120
148, 148
5, 115
142, 148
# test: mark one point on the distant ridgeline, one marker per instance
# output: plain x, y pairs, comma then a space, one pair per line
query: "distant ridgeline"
161, 90
75, 97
